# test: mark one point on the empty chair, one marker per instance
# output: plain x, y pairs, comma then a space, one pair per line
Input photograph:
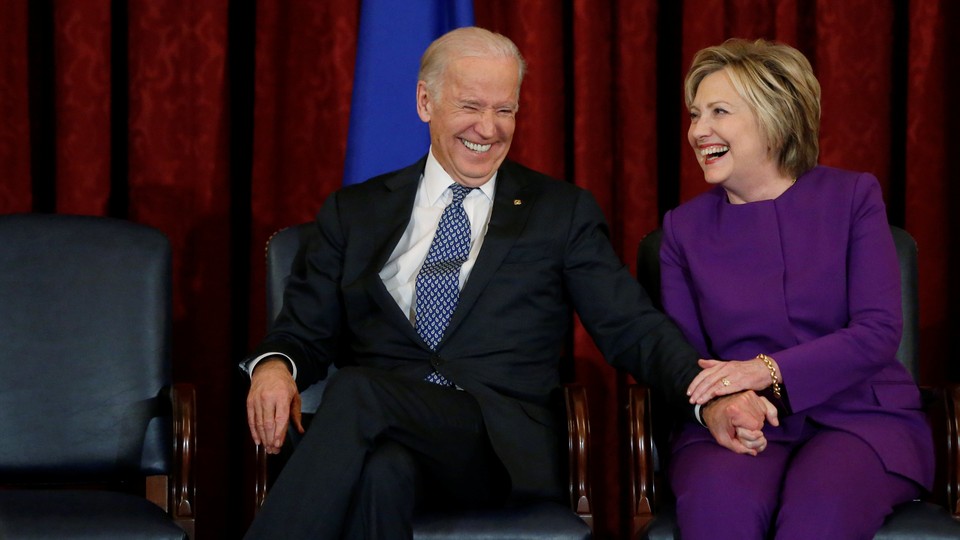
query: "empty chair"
97, 440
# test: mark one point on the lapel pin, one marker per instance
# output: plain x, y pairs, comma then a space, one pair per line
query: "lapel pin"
517, 202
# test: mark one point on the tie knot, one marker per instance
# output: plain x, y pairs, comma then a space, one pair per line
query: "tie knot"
460, 192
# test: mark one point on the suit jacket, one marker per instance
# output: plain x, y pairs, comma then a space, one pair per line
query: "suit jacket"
546, 252
811, 279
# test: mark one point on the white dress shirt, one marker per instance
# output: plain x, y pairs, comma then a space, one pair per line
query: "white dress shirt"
399, 274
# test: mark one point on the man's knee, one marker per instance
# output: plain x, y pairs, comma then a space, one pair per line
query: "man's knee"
350, 384
348, 375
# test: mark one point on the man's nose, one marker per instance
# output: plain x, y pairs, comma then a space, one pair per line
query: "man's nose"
487, 123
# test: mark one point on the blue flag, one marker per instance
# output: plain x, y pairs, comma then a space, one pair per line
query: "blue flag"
385, 131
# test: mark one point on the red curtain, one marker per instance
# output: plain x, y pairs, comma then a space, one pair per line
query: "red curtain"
220, 122
16, 194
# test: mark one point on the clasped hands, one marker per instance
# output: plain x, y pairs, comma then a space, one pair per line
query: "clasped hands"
732, 409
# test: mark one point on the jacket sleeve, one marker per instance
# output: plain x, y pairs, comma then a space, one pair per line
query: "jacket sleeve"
677, 291
819, 369
308, 327
618, 314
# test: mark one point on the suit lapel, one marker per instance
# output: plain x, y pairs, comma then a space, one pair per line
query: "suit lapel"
512, 204
397, 203
396, 206
511, 207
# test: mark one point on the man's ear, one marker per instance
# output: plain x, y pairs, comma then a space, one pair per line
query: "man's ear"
424, 104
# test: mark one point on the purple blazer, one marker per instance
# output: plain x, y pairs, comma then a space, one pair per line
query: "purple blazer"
811, 279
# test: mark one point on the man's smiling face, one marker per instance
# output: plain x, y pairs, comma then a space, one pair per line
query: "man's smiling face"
473, 117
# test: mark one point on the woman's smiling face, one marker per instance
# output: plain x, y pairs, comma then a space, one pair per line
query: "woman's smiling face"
726, 138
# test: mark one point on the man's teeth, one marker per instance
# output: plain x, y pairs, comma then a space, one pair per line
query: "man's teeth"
479, 148
713, 150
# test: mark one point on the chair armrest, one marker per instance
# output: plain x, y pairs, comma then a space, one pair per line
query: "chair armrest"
641, 466
260, 478
578, 441
951, 458
267, 467
183, 491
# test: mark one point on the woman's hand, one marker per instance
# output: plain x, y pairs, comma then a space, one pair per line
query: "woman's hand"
725, 378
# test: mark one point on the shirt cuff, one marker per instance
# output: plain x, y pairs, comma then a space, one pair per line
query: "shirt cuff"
698, 412
253, 363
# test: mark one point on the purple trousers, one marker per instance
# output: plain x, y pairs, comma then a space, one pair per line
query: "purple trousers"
824, 484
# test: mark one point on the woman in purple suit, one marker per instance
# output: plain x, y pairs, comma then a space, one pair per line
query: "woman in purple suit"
788, 270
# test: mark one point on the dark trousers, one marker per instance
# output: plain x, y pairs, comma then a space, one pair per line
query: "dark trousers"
381, 447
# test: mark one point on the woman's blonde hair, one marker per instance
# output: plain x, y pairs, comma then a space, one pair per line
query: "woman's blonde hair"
778, 83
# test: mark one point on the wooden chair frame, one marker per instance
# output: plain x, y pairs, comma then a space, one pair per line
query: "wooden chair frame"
176, 493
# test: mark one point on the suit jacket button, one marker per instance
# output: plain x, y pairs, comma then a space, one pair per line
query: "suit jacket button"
436, 361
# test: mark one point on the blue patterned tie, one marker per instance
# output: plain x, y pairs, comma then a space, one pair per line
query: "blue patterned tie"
438, 281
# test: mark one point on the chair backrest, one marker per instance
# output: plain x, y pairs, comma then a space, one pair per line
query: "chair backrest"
282, 250
909, 351
84, 328
285, 256
648, 273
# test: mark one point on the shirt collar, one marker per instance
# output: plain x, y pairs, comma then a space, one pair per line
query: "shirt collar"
436, 181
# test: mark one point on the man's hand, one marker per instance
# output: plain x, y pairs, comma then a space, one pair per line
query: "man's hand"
736, 421
272, 402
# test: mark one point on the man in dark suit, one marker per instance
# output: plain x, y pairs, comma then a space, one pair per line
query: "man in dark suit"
461, 414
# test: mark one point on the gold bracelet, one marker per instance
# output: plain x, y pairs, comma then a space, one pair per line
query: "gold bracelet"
773, 373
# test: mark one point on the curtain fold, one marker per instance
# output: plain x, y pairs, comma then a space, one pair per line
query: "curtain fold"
16, 191
177, 160
302, 84
82, 85
930, 189
131, 109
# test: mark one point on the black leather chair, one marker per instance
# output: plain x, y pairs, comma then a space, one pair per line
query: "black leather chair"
936, 517
96, 440
544, 520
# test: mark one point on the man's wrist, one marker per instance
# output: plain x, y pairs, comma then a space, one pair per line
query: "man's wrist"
251, 365
273, 360
701, 411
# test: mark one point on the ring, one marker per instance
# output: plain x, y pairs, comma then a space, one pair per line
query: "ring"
725, 381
